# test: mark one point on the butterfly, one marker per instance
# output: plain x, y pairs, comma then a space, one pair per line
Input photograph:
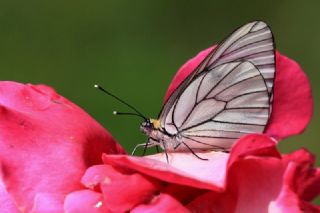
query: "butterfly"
228, 95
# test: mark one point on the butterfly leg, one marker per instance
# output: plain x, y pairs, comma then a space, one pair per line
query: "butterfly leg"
137, 146
145, 148
194, 152
151, 143
164, 147
145, 145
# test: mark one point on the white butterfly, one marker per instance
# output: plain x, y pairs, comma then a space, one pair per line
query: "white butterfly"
227, 96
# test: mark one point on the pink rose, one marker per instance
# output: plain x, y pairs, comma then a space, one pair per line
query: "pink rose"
50, 158
254, 177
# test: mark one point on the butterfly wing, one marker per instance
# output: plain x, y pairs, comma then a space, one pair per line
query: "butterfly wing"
252, 42
235, 103
241, 67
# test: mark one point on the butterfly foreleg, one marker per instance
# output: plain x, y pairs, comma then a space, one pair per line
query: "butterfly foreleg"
148, 144
137, 146
145, 148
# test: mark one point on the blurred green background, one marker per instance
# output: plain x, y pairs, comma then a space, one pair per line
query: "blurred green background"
134, 48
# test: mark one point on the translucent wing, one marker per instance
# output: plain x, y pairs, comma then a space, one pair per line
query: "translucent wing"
252, 42
232, 87
212, 116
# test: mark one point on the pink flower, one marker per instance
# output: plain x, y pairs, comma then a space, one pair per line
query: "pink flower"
46, 144
254, 177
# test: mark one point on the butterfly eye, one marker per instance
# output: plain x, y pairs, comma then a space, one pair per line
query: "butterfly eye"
146, 123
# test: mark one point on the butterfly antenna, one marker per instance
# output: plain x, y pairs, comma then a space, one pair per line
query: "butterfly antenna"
122, 101
128, 113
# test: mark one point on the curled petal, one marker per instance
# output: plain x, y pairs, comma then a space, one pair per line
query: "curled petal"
48, 203
95, 175
260, 180
252, 182
253, 145
287, 200
302, 178
124, 191
138, 188
183, 168
85, 201
286, 203
293, 103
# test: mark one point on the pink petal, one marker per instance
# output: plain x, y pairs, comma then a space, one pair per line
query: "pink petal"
309, 207
311, 186
302, 178
85, 201
182, 193
287, 201
253, 145
46, 142
184, 168
162, 203
95, 175
292, 104
255, 182
122, 192
48, 203
213, 202
259, 180
123, 188
253, 179
7, 202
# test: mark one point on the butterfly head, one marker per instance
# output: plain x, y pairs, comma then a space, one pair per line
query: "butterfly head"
150, 124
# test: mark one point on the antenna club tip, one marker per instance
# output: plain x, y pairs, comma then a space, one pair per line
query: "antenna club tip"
96, 86
115, 112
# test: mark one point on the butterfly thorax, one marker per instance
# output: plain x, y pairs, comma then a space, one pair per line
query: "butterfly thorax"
153, 129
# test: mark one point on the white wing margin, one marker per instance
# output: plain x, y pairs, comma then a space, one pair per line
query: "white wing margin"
252, 42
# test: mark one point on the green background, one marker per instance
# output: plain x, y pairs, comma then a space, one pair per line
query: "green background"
134, 48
